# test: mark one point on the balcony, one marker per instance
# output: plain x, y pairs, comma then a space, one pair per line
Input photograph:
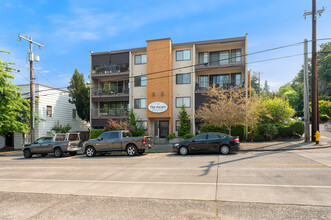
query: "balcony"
102, 113
207, 66
110, 71
118, 93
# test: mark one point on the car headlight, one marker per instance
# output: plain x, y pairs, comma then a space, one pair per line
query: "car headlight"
176, 145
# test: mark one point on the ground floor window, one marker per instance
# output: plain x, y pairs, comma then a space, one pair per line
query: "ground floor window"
183, 101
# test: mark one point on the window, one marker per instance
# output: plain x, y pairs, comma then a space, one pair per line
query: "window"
104, 136
114, 135
139, 103
224, 57
73, 137
219, 58
48, 140
142, 124
183, 101
200, 137
140, 59
203, 58
177, 125
49, 111
183, 55
203, 81
183, 78
140, 81
236, 79
213, 136
74, 112
219, 80
235, 55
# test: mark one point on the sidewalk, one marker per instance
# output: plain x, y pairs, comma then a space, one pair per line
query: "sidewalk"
279, 145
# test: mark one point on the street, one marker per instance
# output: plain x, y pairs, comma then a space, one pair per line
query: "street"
296, 184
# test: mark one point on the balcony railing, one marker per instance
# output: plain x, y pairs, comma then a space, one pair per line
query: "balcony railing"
110, 69
109, 91
109, 112
198, 88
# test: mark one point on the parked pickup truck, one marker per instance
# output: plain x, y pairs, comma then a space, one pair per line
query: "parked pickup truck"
117, 141
59, 144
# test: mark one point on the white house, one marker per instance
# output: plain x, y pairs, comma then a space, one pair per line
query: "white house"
52, 108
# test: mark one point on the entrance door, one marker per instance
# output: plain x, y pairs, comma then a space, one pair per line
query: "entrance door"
10, 139
163, 129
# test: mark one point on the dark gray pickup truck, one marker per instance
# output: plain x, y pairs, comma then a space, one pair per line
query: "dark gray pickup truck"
117, 141
59, 144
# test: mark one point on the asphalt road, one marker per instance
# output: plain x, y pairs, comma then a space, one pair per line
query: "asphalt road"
246, 185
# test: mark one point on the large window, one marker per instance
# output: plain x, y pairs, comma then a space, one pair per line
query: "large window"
203, 58
219, 80
49, 111
235, 55
140, 81
140, 59
183, 78
236, 79
139, 103
183, 101
203, 81
183, 55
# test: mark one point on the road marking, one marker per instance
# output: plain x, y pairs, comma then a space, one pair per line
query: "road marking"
280, 164
165, 183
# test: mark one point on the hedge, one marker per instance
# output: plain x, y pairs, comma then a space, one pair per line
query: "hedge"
235, 130
96, 133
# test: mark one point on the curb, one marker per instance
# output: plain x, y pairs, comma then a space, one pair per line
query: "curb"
307, 148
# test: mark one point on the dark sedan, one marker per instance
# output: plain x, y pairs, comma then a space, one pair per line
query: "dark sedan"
208, 142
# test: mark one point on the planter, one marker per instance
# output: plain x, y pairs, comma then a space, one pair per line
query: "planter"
175, 140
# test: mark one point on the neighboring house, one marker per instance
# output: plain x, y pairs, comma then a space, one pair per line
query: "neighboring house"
157, 80
52, 108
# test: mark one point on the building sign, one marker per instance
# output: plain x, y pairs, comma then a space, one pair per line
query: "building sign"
157, 107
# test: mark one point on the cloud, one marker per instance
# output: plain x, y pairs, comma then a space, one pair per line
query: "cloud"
7, 5
45, 71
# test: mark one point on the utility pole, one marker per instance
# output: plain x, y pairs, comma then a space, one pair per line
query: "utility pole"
314, 74
306, 92
31, 59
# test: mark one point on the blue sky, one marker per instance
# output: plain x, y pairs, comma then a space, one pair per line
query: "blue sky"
71, 29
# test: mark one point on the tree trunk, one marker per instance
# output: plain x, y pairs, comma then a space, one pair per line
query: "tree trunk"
229, 130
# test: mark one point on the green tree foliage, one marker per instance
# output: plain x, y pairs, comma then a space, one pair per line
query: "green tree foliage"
275, 110
80, 95
324, 69
292, 96
184, 123
266, 89
14, 110
61, 128
133, 126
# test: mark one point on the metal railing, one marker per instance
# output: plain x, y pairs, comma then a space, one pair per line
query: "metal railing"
106, 112
110, 91
110, 69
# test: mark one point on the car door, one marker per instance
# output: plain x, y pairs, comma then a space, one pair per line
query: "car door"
198, 143
102, 143
46, 145
36, 146
214, 142
114, 141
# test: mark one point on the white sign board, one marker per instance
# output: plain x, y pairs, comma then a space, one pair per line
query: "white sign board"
157, 107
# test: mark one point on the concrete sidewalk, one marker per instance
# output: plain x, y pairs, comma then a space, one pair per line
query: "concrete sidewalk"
278, 145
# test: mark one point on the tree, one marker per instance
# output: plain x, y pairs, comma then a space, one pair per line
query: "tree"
112, 125
133, 127
324, 69
184, 123
266, 89
80, 95
229, 107
275, 110
14, 110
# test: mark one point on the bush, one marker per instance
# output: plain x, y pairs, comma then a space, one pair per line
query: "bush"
210, 128
324, 117
61, 128
258, 137
188, 136
238, 130
270, 131
171, 136
285, 131
297, 127
96, 133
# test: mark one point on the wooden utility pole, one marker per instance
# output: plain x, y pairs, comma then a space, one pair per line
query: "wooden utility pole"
306, 92
314, 74
31, 59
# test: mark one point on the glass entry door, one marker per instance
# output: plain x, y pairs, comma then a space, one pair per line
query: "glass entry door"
163, 129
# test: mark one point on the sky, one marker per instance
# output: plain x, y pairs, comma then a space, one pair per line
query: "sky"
71, 29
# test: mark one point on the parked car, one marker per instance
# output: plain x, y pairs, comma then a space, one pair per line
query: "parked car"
59, 144
208, 142
117, 141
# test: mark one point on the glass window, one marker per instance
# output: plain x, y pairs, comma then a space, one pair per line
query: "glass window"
114, 135
183, 78
200, 137
103, 136
213, 136
39, 141
49, 111
140, 81
140, 103
235, 55
142, 124
183, 101
203, 58
140, 59
224, 57
219, 80
73, 137
183, 55
203, 81
219, 57
236, 79
74, 113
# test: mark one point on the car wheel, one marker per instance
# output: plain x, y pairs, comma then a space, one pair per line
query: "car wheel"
72, 153
131, 150
225, 149
58, 152
90, 151
183, 150
27, 153
43, 155
141, 152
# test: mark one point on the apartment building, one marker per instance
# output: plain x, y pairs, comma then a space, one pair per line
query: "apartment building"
157, 80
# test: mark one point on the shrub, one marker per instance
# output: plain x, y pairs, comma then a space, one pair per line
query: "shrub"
145, 135
61, 128
276, 110
188, 136
258, 137
210, 128
285, 131
184, 123
171, 136
96, 133
297, 127
238, 130
270, 131
112, 125
324, 117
